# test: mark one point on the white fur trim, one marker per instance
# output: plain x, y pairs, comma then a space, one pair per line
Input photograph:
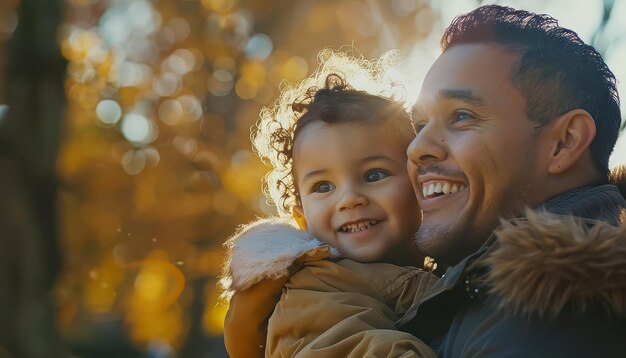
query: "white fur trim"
265, 249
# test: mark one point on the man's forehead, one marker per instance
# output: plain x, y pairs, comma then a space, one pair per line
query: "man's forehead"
472, 73
468, 64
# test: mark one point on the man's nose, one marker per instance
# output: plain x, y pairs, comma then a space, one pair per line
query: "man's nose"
352, 197
429, 145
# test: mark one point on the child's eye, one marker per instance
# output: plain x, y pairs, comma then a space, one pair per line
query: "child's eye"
323, 187
375, 175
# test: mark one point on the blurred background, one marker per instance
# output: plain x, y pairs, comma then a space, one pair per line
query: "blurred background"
125, 159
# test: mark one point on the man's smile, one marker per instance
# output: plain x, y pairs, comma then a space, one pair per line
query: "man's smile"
437, 192
435, 188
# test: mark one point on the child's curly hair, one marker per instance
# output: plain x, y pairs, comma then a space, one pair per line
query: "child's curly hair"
343, 89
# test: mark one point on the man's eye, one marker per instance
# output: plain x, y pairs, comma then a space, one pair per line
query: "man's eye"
418, 126
323, 187
463, 116
375, 175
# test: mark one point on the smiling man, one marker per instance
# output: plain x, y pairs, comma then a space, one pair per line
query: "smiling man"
473, 132
515, 124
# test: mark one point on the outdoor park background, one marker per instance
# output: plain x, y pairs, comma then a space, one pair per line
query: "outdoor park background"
125, 159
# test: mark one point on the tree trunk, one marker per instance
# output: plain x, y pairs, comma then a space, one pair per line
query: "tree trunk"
29, 141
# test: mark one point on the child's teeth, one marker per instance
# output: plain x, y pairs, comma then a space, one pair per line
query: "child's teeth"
364, 225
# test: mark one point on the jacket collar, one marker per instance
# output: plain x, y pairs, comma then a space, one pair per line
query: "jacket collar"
602, 202
583, 224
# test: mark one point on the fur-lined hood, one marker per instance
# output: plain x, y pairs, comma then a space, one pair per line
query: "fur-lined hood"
266, 249
545, 262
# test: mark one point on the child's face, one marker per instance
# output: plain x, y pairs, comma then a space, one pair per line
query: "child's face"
354, 189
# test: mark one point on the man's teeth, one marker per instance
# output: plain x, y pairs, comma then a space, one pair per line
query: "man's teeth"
441, 188
363, 225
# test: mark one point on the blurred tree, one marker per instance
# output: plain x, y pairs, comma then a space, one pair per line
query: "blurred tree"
29, 138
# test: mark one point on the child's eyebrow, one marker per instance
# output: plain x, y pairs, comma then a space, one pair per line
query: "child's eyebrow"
373, 158
313, 173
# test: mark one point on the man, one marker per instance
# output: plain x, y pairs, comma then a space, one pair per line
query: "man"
519, 113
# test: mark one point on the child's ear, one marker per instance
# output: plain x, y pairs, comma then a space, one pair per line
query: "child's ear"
298, 216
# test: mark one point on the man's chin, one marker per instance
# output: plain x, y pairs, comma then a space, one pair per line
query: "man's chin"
439, 242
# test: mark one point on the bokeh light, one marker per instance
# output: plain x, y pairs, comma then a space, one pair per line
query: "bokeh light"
168, 84
134, 161
138, 129
108, 111
170, 111
181, 61
192, 107
4, 109
259, 47
8, 22
221, 83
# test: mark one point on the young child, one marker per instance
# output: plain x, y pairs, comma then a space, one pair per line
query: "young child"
339, 169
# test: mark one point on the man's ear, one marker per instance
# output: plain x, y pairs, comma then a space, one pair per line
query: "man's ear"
298, 216
572, 132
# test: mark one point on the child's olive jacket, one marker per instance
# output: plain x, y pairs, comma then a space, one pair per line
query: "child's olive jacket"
289, 291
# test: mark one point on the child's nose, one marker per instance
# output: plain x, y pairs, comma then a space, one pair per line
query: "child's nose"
352, 198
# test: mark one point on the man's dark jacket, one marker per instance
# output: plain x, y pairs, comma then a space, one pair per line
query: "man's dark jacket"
551, 284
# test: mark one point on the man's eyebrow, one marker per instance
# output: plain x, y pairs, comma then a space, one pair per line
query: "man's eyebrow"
416, 111
463, 95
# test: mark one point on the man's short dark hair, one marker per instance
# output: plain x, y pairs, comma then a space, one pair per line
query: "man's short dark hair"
557, 71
